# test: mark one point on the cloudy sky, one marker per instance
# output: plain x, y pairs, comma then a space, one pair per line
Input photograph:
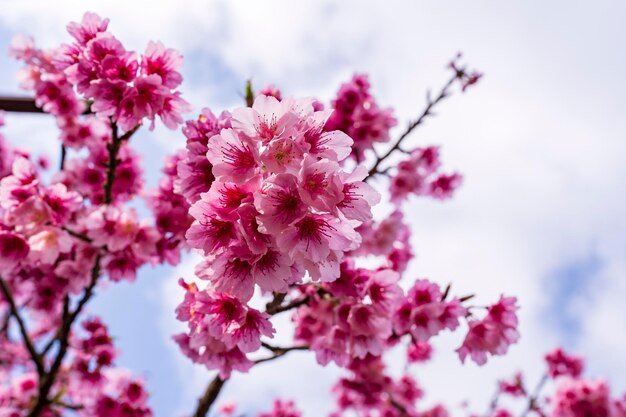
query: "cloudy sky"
541, 142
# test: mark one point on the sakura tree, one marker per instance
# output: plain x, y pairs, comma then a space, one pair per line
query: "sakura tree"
276, 197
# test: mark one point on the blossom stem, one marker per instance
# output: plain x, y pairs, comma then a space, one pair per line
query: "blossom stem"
23, 331
430, 104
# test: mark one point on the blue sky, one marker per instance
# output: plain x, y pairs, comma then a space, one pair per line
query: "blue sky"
540, 142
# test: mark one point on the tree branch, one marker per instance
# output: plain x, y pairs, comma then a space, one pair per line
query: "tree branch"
48, 379
19, 104
430, 104
77, 235
278, 352
23, 331
209, 397
63, 155
275, 309
114, 148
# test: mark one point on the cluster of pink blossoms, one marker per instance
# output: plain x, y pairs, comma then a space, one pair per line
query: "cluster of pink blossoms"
418, 175
280, 203
357, 113
90, 380
222, 330
351, 317
96, 67
573, 396
389, 238
493, 334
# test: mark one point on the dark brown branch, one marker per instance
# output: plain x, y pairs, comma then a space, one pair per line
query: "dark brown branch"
23, 331
278, 352
467, 298
77, 235
281, 308
47, 381
276, 349
446, 292
4, 329
401, 409
276, 302
114, 148
63, 155
430, 104
19, 104
209, 397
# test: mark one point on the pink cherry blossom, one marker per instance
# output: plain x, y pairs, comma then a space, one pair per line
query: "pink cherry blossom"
560, 363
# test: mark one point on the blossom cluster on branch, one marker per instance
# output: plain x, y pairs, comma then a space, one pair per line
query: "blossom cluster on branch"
275, 196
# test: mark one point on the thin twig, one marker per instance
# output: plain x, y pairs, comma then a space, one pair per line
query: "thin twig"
68, 406
281, 308
278, 352
467, 298
532, 400
113, 148
493, 404
399, 407
23, 331
430, 104
63, 155
77, 235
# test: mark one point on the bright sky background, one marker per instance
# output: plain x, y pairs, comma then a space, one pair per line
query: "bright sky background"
541, 142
